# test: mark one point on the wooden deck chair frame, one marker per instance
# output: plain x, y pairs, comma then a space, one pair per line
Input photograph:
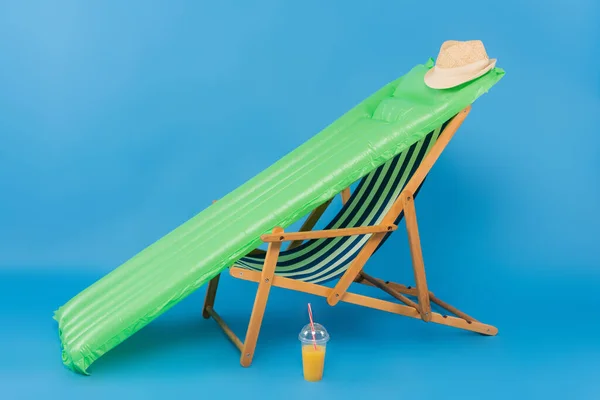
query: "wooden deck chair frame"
407, 307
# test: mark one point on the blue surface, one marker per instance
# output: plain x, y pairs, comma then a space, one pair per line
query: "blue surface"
115, 118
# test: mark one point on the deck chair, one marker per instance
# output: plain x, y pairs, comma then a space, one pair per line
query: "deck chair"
339, 252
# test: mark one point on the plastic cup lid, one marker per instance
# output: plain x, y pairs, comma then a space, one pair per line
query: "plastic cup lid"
321, 335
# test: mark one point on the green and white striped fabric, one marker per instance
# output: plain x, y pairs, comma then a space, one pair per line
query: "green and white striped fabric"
322, 260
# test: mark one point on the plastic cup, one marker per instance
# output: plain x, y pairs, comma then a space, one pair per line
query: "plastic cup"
313, 351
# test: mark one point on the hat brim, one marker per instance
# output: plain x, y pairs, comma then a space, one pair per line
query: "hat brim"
437, 81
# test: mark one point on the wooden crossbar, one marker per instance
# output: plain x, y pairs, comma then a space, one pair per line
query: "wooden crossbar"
310, 222
362, 300
415, 309
390, 291
230, 334
330, 233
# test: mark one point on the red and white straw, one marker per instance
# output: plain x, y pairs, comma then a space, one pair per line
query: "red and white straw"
312, 326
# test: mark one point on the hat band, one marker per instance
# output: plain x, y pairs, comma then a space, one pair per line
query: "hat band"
465, 69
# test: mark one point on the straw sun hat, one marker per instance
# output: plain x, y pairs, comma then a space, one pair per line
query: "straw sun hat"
458, 62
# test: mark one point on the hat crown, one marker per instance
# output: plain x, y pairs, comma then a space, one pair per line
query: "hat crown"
454, 54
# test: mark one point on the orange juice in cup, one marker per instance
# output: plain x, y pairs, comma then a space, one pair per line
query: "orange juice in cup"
313, 342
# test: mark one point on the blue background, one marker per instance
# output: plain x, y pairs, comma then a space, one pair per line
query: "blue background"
121, 120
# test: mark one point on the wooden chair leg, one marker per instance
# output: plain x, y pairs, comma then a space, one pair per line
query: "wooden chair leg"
211, 292
260, 302
410, 216
345, 195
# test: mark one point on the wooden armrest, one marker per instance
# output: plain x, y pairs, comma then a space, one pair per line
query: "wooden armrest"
362, 230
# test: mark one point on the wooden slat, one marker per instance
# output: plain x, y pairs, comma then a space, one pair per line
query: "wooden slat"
436, 150
211, 293
345, 195
396, 286
478, 327
451, 309
417, 179
260, 302
389, 290
310, 222
232, 336
414, 242
357, 299
330, 233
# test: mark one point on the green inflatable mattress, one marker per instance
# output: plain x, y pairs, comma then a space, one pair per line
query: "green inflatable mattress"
128, 298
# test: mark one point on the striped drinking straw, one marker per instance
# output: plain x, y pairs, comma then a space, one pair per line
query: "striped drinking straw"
312, 326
